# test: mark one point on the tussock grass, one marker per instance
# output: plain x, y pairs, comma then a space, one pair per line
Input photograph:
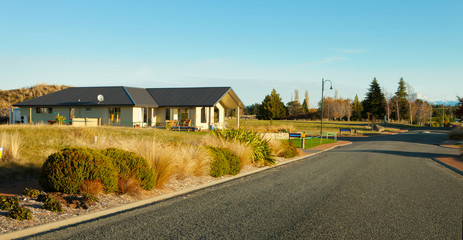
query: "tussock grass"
93, 187
131, 187
10, 142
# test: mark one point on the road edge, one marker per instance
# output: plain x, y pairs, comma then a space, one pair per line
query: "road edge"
456, 170
88, 217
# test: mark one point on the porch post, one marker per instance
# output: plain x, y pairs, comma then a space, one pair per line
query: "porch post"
238, 117
30, 115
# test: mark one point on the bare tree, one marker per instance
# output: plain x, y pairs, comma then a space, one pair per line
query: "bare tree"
389, 104
411, 97
423, 111
347, 106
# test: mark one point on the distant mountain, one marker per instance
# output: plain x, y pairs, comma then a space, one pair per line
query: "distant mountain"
440, 102
446, 103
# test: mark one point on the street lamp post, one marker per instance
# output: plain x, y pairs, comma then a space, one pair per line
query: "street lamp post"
323, 89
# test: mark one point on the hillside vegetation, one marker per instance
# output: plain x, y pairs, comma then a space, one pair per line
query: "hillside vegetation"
10, 97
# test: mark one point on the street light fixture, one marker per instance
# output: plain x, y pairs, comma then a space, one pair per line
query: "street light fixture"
323, 88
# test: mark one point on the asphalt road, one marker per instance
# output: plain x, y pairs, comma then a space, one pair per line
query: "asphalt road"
377, 188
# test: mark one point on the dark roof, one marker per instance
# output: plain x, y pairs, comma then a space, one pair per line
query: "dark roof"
87, 96
129, 96
187, 97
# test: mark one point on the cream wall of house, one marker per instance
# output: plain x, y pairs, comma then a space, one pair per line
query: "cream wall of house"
43, 117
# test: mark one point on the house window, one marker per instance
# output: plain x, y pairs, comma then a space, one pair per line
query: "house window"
216, 114
184, 114
167, 114
145, 115
115, 115
203, 115
88, 109
46, 110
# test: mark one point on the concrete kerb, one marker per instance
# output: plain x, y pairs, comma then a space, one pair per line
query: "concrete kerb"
88, 217
458, 171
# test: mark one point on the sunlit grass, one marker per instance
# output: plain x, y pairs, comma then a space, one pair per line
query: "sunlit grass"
310, 143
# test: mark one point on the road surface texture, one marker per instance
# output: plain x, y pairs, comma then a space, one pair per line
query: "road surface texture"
381, 187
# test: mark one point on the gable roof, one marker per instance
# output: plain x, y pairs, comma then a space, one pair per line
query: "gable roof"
187, 97
87, 96
130, 96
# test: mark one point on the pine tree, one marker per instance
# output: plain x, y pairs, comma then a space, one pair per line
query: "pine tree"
375, 101
272, 107
401, 102
357, 108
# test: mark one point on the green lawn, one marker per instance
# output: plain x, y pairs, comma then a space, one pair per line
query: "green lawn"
310, 143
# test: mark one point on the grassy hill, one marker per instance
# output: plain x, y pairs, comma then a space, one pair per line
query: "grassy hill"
10, 97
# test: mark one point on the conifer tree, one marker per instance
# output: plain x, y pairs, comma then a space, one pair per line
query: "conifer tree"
401, 102
375, 101
272, 107
357, 108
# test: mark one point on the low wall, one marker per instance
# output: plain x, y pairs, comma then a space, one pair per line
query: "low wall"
89, 122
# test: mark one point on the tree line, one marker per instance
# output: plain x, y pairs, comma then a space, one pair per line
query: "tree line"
378, 104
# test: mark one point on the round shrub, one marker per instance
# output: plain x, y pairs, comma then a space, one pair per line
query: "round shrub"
219, 164
223, 162
66, 170
20, 213
131, 165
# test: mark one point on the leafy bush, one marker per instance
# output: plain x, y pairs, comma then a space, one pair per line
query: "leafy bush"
32, 193
131, 165
52, 205
66, 170
20, 213
6, 203
223, 162
289, 149
262, 154
456, 134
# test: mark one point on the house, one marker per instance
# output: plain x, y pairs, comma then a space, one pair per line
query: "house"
202, 107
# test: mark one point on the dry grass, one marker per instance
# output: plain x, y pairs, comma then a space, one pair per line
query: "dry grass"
277, 146
131, 187
93, 187
10, 142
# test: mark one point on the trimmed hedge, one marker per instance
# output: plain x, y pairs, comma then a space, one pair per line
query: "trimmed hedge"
131, 165
66, 170
223, 162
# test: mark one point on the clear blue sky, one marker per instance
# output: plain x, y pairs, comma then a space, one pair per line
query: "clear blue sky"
252, 46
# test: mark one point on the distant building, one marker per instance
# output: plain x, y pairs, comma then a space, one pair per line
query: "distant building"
128, 106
